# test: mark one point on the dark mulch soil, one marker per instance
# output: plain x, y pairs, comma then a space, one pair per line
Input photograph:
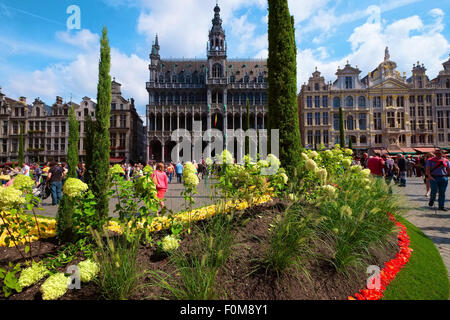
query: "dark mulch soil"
239, 279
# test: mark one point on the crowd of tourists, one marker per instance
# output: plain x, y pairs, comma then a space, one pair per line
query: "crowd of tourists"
434, 169
49, 178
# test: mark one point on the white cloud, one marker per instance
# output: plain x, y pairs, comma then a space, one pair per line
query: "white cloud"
183, 26
409, 40
83, 39
79, 78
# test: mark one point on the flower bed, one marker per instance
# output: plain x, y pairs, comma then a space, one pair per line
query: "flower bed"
47, 230
391, 268
48, 226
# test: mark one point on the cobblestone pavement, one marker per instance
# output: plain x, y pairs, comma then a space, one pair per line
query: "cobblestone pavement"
435, 224
174, 201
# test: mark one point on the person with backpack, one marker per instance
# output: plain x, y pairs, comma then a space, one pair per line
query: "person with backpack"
437, 170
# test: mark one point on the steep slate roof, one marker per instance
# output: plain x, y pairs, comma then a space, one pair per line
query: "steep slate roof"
238, 68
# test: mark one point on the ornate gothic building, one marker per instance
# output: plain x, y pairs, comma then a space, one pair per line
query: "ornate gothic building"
382, 111
213, 91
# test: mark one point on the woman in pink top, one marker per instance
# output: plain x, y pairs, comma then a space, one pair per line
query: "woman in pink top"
160, 179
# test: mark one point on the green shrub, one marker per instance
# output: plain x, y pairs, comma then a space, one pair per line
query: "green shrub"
118, 271
198, 265
289, 240
356, 218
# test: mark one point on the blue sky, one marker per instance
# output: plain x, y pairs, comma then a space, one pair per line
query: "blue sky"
40, 57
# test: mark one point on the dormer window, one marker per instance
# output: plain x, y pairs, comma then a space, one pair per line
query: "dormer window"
217, 71
348, 83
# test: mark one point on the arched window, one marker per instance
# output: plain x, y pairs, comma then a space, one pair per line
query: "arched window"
246, 78
349, 101
336, 102
188, 78
362, 101
217, 70
168, 76
38, 112
174, 78
161, 78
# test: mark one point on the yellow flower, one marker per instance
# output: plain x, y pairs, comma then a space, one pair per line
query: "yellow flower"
365, 173
311, 165
170, 243
33, 274
348, 152
313, 154
74, 187
54, 287
22, 182
346, 163
322, 173
346, 211
88, 270
116, 169
304, 156
10, 197
329, 190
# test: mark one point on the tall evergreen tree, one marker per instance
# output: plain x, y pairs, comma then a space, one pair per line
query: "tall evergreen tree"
21, 157
282, 91
72, 152
64, 226
99, 166
341, 127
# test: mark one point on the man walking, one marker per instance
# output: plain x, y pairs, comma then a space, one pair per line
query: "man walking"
54, 181
402, 166
179, 171
437, 170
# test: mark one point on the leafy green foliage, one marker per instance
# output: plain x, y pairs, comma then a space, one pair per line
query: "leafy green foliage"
10, 281
17, 223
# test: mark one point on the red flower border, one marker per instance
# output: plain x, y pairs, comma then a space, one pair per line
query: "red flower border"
391, 268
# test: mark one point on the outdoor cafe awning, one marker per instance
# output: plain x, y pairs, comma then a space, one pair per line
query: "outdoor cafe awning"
116, 160
408, 151
425, 150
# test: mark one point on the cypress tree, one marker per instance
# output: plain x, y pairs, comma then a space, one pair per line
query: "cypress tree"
72, 152
20, 159
282, 81
350, 144
64, 227
99, 166
341, 127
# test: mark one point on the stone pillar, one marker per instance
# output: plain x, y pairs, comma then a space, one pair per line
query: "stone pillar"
208, 122
225, 118
163, 149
